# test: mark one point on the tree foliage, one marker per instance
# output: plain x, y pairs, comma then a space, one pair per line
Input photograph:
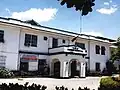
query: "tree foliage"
110, 67
115, 52
85, 6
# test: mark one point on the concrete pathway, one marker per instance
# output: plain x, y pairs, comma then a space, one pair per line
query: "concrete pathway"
90, 82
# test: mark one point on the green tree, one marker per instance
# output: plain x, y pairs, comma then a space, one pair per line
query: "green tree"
85, 6
115, 52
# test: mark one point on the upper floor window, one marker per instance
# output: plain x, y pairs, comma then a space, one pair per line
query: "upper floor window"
54, 42
97, 48
102, 50
30, 40
2, 36
81, 45
63, 41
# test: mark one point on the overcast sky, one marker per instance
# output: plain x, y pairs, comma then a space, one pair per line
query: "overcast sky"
103, 21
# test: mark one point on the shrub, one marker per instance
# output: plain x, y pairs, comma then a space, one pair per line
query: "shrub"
16, 86
109, 83
65, 88
110, 68
5, 73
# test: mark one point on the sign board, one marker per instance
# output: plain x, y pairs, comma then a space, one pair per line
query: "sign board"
30, 57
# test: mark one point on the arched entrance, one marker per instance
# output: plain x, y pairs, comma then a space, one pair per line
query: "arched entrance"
73, 68
57, 69
55, 66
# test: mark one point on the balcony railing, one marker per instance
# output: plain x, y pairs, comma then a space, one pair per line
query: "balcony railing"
67, 48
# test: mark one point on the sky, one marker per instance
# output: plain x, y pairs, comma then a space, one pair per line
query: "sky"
103, 21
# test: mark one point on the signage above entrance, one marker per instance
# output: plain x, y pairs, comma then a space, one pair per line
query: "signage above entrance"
29, 57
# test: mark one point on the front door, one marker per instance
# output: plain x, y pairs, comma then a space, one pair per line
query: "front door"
57, 69
41, 65
73, 68
24, 66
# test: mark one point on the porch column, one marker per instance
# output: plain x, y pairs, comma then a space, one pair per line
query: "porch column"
82, 69
64, 69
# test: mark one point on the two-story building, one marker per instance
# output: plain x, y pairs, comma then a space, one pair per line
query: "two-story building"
28, 46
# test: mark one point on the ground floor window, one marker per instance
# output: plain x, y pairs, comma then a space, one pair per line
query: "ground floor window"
97, 66
24, 66
2, 61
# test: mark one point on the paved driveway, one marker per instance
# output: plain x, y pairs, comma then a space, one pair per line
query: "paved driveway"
91, 82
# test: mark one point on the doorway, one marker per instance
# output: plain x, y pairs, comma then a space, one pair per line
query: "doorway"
24, 66
41, 65
57, 69
73, 68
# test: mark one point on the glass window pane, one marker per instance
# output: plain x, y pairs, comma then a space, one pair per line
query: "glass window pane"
27, 39
34, 41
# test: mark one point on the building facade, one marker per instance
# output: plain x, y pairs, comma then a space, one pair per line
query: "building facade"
29, 47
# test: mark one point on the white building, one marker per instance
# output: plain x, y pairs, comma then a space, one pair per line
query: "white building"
25, 46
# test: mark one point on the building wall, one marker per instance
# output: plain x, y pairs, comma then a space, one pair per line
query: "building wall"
94, 58
10, 47
42, 45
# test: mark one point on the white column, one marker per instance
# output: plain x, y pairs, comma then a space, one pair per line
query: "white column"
61, 69
50, 66
82, 69
64, 69
65, 74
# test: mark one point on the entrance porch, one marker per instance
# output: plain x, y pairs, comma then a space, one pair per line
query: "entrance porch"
67, 61
67, 66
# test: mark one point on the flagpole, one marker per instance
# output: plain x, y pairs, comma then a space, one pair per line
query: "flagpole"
80, 22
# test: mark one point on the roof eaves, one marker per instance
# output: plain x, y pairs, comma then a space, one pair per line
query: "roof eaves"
55, 30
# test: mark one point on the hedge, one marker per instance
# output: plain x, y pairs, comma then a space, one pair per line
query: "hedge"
109, 84
16, 86
5, 73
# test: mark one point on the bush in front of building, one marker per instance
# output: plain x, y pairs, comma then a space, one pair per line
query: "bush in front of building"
5, 73
65, 88
16, 86
109, 84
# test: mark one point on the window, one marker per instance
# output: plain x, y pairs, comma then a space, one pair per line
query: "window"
2, 61
97, 48
63, 41
34, 41
54, 43
45, 38
81, 45
30, 40
1, 36
102, 50
97, 66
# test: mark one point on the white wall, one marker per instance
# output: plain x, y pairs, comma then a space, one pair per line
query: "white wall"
11, 46
42, 45
98, 57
